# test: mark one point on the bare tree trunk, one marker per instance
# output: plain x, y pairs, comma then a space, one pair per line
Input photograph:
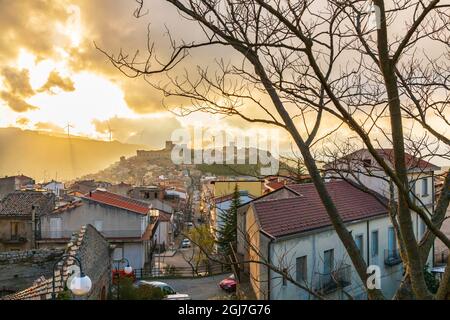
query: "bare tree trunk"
414, 262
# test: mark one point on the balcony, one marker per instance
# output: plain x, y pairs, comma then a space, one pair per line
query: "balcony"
338, 278
14, 239
392, 257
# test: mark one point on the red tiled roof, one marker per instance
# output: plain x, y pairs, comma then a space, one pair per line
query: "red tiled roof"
410, 160
306, 212
118, 201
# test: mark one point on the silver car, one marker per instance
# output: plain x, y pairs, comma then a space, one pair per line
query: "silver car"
169, 292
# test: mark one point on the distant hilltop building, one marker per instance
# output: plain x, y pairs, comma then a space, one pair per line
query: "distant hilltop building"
156, 154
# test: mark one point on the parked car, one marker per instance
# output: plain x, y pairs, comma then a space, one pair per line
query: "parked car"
186, 243
189, 224
169, 292
228, 284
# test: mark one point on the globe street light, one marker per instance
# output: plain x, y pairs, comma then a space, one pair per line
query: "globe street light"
80, 285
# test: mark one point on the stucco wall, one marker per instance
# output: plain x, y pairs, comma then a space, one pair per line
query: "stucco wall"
313, 246
117, 222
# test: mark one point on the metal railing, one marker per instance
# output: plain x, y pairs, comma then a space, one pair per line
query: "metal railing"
392, 257
181, 272
340, 277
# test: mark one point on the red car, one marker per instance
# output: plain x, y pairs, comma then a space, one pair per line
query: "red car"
228, 284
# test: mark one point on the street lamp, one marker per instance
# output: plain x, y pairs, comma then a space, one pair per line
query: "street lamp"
80, 285
128, 270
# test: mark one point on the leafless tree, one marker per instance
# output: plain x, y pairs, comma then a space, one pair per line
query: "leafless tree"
303, 60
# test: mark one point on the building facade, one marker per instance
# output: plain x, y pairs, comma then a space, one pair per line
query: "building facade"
123, 221
290, 230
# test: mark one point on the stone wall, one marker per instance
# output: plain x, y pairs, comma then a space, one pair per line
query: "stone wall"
94, 252
19, 269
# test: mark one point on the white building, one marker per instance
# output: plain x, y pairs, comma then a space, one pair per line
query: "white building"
54, 186
123, 221
362, 168
290, 229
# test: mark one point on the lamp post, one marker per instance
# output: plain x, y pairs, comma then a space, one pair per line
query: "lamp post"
80, 285
128, 270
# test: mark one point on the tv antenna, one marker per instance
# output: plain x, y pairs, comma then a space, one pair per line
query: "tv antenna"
68, 129
110, 132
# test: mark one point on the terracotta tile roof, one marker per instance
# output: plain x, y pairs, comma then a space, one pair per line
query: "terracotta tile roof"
20, 203
118, 201
306, 212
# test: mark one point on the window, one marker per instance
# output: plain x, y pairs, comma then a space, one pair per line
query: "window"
301, 269
422, 228
168, 290
392, 242
359, 240
375, 243
412, 190
424, 187
328, 261
55, 228
285, 270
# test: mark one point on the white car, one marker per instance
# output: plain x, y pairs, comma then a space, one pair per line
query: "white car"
169, 292
189, 224
186, 243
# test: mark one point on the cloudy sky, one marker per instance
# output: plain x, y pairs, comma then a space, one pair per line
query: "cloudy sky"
52, 76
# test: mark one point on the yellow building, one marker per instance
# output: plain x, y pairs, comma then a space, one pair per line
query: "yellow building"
224, 187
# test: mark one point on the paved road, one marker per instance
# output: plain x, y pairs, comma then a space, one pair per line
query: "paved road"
199, 288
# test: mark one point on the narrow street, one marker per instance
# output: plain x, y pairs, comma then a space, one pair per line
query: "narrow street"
199, 288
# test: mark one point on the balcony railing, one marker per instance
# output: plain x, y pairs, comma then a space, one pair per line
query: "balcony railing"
67, 234
392, 257
338, 278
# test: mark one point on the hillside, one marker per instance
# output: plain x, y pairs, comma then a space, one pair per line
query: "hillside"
43, 156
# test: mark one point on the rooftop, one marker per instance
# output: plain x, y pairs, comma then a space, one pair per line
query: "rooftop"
118, 201
281, 217
21, 203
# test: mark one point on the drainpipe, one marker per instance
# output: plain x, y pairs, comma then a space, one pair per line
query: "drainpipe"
368, 243
433, 250
269, 278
